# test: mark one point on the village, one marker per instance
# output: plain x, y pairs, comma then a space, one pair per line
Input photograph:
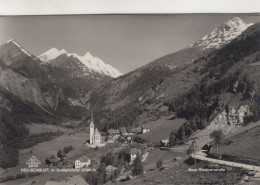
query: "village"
126, 140
119, 154
99, 139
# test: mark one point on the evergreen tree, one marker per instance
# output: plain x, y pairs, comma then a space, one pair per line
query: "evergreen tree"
217, 135
159, 164
188, 130
138, 166
102, 173
181, 133
172, 138
193, 149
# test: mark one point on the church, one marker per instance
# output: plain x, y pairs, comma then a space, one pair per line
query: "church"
95, 136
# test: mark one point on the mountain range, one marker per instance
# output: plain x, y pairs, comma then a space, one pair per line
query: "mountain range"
78, 66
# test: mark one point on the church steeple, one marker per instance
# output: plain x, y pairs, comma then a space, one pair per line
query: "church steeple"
91, 128
92, 118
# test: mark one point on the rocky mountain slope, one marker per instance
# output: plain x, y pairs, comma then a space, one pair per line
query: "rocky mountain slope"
223, 34
47, 87
145, 91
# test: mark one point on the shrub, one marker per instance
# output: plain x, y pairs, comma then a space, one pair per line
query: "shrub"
67, 149
138, 166
8, 178
138, 139
159, 164
20, 175
9, 157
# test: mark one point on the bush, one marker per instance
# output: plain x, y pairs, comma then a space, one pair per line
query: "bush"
9, 157
2, 179
138, 139
20, 175
159, 164
31, 174
8, 178
138, 166
67, 149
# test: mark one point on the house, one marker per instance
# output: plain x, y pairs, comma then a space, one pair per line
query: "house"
52, 162
150, 148
131, 132
113, 134
164, 142
133, 154
82, 162
144, 130
129, 138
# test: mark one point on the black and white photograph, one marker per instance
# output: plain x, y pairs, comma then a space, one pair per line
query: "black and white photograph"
131, 99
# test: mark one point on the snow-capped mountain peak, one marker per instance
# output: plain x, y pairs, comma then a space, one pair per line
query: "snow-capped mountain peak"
51, 54
225, 33
89, 62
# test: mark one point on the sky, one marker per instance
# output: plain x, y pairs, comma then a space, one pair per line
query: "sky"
124, 41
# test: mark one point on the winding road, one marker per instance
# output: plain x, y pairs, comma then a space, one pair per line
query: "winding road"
202, 156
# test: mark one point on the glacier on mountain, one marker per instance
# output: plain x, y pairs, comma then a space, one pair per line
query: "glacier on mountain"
94, 64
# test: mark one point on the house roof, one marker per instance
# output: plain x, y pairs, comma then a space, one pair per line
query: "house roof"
165, 141
84, 159
206, 147
113, 131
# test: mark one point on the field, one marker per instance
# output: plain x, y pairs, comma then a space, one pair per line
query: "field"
179, 174
161, 129
167, 156
46, 149
35, 128
243, 144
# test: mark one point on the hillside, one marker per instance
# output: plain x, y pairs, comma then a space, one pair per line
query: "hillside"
30, 92
242, 145
47, 87
192, 88
160, 129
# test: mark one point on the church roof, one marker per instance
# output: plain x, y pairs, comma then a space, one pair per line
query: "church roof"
96, 131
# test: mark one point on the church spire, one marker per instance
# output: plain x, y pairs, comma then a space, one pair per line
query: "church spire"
92, 118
